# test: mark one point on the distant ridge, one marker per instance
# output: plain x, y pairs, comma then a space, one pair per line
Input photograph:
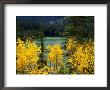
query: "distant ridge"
42, 19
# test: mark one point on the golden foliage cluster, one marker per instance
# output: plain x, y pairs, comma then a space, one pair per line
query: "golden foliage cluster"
27, 56
55, 56
82, 58
56, 53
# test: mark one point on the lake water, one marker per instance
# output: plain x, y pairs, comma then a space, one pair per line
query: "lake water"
52, 40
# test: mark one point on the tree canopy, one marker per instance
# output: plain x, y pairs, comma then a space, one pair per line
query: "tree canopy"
77, 26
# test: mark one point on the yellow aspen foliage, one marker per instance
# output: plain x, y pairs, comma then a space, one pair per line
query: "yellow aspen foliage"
70, 43
27, 55
55, 53
82, 58
43, 71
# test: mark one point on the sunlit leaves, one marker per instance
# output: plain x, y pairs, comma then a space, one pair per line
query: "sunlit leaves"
82, 58
55, 53
27, 55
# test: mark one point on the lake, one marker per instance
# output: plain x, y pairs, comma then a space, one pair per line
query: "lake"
52, 40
